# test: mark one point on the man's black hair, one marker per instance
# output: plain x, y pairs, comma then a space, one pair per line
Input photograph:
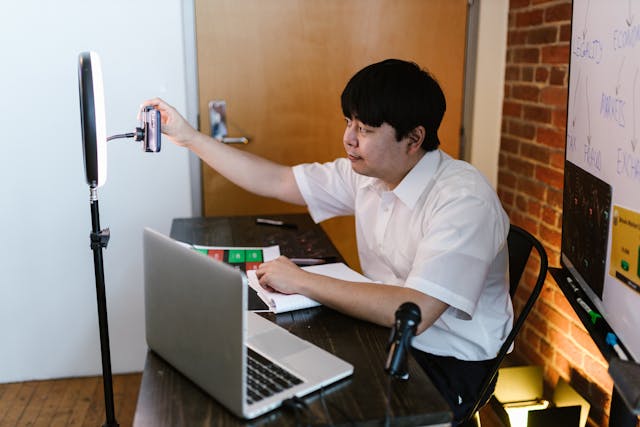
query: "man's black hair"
399, 93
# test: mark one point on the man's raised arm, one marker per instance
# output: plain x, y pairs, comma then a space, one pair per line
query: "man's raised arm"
251, 172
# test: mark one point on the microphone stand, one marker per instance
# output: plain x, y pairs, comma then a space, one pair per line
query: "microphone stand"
407, 319
99, 240
403, 331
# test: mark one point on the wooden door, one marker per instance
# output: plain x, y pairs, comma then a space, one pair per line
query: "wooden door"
281, 66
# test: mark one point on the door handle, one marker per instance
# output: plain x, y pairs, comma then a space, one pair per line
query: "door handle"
218, 120
237, 140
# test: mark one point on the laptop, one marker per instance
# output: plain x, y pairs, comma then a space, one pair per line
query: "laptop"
197, 320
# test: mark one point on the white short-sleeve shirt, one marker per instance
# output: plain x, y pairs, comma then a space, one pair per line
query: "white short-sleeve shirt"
441, 231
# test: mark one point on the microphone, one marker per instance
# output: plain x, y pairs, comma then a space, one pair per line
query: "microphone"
403, 331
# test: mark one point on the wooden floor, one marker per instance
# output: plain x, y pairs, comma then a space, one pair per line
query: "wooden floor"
67, 402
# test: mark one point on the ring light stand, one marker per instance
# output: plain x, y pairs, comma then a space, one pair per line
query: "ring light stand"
95, 158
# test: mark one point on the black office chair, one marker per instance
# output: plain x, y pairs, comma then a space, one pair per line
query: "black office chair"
520, 243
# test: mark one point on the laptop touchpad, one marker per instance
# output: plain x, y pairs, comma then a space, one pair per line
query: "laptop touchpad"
277, 343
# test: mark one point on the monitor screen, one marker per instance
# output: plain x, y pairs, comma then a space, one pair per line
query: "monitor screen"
585, 226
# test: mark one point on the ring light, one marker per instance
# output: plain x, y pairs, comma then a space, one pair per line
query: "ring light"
92, 116
94, 150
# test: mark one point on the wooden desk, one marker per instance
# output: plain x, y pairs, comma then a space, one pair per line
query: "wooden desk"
169, 399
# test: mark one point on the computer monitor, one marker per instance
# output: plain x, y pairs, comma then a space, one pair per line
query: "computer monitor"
585, 228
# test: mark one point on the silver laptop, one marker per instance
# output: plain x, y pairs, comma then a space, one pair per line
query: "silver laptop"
197, 320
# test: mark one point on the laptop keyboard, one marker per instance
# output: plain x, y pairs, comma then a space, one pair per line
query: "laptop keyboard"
264, 378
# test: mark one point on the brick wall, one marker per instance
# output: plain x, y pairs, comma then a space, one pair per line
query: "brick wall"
530, 186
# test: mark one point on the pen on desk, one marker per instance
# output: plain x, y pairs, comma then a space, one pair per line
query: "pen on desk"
594, 316
612, 340
301, 262
573, 286
275, 222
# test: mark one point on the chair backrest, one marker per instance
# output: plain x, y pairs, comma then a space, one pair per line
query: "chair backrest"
520, 243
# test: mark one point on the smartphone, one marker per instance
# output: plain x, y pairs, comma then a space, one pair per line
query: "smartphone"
152, 133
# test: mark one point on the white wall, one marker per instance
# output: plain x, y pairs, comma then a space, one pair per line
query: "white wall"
484, 84
48, 315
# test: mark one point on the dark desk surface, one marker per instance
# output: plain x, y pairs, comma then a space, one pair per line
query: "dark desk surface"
168, 399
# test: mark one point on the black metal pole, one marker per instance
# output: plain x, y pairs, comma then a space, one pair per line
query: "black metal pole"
99, 240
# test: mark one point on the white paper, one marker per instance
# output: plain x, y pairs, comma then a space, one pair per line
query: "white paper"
280, 303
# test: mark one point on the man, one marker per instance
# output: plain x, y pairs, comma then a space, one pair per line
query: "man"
430, 229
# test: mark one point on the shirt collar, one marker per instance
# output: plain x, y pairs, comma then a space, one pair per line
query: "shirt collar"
415, 182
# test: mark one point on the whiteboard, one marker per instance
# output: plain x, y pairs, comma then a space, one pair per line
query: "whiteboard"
603, 129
